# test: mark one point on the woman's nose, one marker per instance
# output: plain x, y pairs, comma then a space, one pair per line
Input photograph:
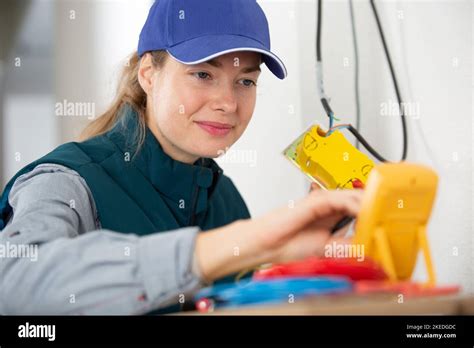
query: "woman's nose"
224, 99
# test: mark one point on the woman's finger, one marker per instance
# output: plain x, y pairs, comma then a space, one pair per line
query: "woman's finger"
333, 202
314, 187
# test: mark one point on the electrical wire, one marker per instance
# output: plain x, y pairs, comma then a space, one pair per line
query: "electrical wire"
394, 79
318, 31
324, 99
366, 144
319, 67
356, 68
273, 290
339, 126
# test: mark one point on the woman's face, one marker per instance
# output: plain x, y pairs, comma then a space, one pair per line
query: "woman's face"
201, 110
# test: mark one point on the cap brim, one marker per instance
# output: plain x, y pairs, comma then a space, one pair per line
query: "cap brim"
205, 48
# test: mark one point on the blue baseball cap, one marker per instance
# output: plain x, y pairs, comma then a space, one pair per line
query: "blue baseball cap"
195, 31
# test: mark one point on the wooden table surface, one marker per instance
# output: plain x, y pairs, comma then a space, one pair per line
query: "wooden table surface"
374, 304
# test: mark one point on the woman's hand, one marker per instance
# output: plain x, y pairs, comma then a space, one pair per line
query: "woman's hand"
305, 229
285, 234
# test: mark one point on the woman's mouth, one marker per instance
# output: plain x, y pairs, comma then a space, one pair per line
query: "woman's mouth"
215, 128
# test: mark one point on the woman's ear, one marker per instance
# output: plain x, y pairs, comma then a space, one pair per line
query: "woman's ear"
146, 72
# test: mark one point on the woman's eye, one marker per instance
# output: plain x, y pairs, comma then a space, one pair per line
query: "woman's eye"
202, 75
248, 83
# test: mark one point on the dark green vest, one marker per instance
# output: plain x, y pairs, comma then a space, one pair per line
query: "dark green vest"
147, 191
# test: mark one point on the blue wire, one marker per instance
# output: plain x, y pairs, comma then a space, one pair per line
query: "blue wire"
337, 128
274, 290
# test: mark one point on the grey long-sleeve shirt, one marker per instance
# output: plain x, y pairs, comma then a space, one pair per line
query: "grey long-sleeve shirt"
80, 268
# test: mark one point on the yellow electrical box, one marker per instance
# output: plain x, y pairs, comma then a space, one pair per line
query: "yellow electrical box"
395, 210
331, 161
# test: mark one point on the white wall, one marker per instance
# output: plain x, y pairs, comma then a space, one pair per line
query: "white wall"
93, 38
434, 52
28, 134
29, 126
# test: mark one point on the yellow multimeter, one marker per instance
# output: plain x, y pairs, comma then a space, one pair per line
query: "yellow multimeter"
395, 210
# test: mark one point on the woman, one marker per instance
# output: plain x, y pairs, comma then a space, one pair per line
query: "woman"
117, 217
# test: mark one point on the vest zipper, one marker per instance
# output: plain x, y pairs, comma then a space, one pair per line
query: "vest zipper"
192, 218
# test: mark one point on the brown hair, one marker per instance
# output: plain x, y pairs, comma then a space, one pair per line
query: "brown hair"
129, 92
